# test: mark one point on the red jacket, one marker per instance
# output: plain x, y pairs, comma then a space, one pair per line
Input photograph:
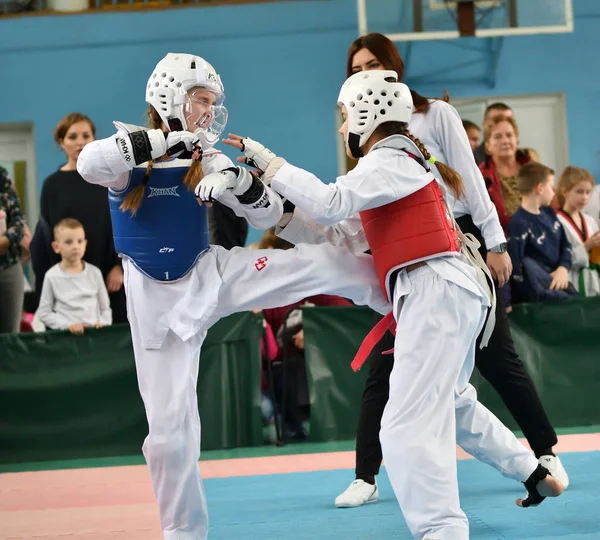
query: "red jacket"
271, 347
494, 186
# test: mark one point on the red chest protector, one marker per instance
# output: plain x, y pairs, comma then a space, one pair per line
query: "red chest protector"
409, 230
412, 229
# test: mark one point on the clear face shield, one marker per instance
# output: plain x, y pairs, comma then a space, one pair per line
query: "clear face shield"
205, 114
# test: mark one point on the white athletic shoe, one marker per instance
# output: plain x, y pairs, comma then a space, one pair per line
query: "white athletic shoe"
553, 464
358, 493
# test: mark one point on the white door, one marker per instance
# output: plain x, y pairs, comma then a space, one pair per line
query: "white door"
17, 145
542, 122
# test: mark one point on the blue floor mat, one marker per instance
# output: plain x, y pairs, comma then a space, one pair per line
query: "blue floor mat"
300, 506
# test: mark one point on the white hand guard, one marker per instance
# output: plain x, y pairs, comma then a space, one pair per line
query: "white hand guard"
139, 145
257, 155
262, 158
212, 186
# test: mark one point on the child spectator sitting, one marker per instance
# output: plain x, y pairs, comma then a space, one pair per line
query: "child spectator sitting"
573, 194
74, 295
537, 243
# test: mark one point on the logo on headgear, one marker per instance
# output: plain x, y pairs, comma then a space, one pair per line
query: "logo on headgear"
260, 263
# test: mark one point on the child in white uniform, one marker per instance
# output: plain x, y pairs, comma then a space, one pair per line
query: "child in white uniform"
178, 285
439, 305
574, 193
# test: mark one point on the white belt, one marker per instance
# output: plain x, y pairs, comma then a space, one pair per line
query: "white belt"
470, 249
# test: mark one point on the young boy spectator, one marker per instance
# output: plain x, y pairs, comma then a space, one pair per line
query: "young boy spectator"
74, 295
537, 243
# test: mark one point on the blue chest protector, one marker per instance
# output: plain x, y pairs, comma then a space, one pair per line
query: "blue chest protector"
170, 230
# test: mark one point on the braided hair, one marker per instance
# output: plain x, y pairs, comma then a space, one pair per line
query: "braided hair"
191, 179
450, 177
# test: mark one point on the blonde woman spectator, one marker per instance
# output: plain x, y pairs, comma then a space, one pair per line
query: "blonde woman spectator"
492, 110
502, 164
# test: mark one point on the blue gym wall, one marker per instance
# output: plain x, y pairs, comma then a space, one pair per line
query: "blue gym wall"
282, 64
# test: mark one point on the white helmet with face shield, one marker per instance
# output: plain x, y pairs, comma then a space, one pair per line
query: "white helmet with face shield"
372, 98
188, 94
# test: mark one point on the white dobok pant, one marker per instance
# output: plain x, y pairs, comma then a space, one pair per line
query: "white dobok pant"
432, 406
169, 322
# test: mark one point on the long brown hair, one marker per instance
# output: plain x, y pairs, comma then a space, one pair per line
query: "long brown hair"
450, 177
193, 176
386, 52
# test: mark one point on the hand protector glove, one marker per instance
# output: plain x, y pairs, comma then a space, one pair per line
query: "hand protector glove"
212, 186
261, 158
137, 147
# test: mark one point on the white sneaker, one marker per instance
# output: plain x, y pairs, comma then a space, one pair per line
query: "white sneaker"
358, 493
553, 464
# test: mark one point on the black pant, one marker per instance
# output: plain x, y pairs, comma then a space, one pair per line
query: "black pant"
295, 393
498, 363
118, 305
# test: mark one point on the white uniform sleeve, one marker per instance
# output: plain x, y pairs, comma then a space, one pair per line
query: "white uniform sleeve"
45, 311
100, 162
303, 230
259, 218
382, 177
455, 144
103, 300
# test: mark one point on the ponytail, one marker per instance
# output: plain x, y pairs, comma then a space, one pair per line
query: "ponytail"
134, 198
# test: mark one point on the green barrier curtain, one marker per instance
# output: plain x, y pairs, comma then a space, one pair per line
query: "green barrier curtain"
64, 396
332, 336
558, 343
560, 347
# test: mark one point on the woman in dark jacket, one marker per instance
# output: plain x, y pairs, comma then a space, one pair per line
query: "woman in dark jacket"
66, 195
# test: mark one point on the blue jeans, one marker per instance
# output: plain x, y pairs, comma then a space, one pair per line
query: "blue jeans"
536, 284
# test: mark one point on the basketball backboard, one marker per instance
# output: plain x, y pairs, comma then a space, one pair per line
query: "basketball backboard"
415, 20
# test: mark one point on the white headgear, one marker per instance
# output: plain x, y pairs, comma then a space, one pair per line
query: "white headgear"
167, 91
372, 98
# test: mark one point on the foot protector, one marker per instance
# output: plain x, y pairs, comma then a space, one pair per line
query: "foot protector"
533, 496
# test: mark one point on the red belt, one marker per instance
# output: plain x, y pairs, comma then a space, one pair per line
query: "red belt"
378, 331
373, 337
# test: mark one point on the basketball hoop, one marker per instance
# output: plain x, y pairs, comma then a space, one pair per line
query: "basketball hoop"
450, 19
